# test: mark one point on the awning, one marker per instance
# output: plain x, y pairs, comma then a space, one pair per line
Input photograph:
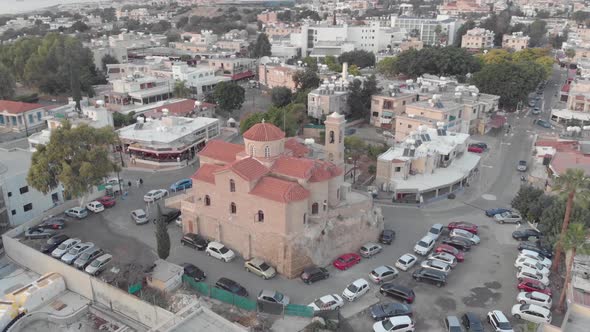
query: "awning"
242, 75
497, 122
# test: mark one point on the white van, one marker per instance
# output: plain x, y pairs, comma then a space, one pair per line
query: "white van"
98, 265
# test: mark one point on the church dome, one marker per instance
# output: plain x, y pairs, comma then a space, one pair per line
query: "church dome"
264, 132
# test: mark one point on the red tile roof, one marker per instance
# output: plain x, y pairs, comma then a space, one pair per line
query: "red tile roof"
279, 190
300, 168
570, 159
264, 132
221, 151
17, 107
206, 172
249, 169
297, 148
324, 170
565, 88
558, 145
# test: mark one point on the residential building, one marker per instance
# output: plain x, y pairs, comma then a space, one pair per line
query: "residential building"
205, 37
577, 105
516, 41
21, 117
478, 38
267, 17
274, 75
410, 43
385, 107
188, 108
463, 7
138, 90
427, 28
281, 31
118, 45
330, 97
429, 163
201, 79
235, 68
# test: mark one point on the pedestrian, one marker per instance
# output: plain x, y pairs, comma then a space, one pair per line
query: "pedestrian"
137, 183
129, 184
140, 181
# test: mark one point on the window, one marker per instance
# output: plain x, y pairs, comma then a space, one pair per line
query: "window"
232, 208
267, 151
398, 169
232, 186
207, 200
31, 118
409, 126
331, 136
325, 204
314, 208
260, 216
28, 207
13, 212
10, 194
403, 102
304, 218
252, 149
24, 190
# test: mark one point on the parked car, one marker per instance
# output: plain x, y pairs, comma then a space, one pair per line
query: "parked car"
95, 206
474, 239
471, 322
87, 257
543, 123
53, 223
260, 268
499, 322
381, 311
525, 234
387, 236
529, 273
77, 212
231, 286
536, 247
219, 251
531, 285
327, 302
171, 215
532, 313
139, 216
452, 324
395, 324
154, 195
436, 265
107, 201
406, 261
193, 272
480, 145
536, 256
444, 257
370, 249
526, 262
535, 298
76, 251
475, 149
435, 277
466, 226
98, 265
383, 273
397, 291
508, 217
459, 243
312, 274
346, 261
181, 185
273, 297
521, 167
493, 212
436, 230
451, 250
53, 242
39, 233
194, 241
424, 246
64, 247
536, 110
356, 289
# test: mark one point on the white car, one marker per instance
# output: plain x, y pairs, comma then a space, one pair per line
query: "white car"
508, 217
406, 262
531, 263
532, 313
395, 324
424, 246
76, 251
527, 272
499, 321
436, 265
154, 195
356, 289
64, 247
219, 251
536, 298
139, 216
535, 255
474, 239
77, 212
327, 302
95, 206
436, 230
445, 258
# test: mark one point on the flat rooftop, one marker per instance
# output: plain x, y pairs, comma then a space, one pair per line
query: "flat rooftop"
13, 277
165, 130
14, 162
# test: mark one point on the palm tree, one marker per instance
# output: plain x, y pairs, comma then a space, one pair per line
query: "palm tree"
573, 182
576, 240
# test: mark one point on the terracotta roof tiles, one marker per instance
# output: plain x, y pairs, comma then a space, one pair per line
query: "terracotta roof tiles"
297, 148
206, 172
279, 190
221, 151
248, 168
17, 107
264, 132
294, 167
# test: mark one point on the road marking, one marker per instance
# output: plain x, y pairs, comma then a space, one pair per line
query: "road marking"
487, 166
488, 197
507, 143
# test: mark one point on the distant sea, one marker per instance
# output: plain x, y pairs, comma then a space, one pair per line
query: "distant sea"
20, 6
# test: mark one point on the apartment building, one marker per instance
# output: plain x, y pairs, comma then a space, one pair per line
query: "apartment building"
478, 38
330, 97
426, 28
275, 75
385, 107
516, 41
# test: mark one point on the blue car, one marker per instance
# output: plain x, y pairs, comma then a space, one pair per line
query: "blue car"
493, 212
181, 185
543, 124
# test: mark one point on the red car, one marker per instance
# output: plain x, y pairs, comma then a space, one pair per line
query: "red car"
347, 260
466, 226
476, 149
107, 201
451, 250
531, 285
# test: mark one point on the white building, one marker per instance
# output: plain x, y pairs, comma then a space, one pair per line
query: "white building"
426, 28
330, 97
138, 90
201, 79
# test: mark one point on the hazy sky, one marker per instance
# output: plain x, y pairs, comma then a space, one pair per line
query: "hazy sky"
14, 6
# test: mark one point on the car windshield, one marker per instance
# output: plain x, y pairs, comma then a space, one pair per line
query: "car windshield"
465, 234
223, 250
387, 325
434, 230
539, 266
98, 205
140, 215
278, 296
62, 246
264, 267
522, 162
319, 303
352, 288
85, 256
504, 325
403, 260
422, 244
95, 263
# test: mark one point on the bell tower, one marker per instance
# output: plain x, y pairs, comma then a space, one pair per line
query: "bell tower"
334, 145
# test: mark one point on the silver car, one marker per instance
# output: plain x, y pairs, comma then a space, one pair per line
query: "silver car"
474, 239
273, 297
383, 273
139, 216
87, 257
98, 265
76, 251
508, 217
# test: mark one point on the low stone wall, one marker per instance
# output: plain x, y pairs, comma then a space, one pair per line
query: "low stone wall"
27, 319
175, 201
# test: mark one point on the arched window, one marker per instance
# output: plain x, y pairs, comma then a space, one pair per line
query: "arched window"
233, 209
325, 205
340, 137
304, 218
252, 149
331, 136
338, 194
267, 151
207, 200
260, 216
232, 186
314, 208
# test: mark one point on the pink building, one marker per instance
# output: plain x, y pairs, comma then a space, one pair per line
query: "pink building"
267, 17
273, 76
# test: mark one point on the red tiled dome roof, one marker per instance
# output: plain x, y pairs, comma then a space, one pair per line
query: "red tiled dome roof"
264, 132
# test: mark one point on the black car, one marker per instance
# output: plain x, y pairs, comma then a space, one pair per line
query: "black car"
536, 247
55, 223
387, 236
435, 277
313, 273
459, 243
171, 215
194, 240
193, 272
381, 311
472, 322
525, 234
231, 286
53, 242
480, 145
398, 291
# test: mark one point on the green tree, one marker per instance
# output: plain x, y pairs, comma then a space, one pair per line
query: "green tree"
332, 63
354, 70
572, 183
229, 96
280, 96
311, 63
537, 32
162, 236
79, 26
306, 79
261, 47
289, 118
78, 158
355, 100
370, 88
354, 147
542, 13
121, 120
570, 53
581, 16
7, 83
360, 58
387, 67
181, 90
525, 198
576, 240
108, 59
468, 25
